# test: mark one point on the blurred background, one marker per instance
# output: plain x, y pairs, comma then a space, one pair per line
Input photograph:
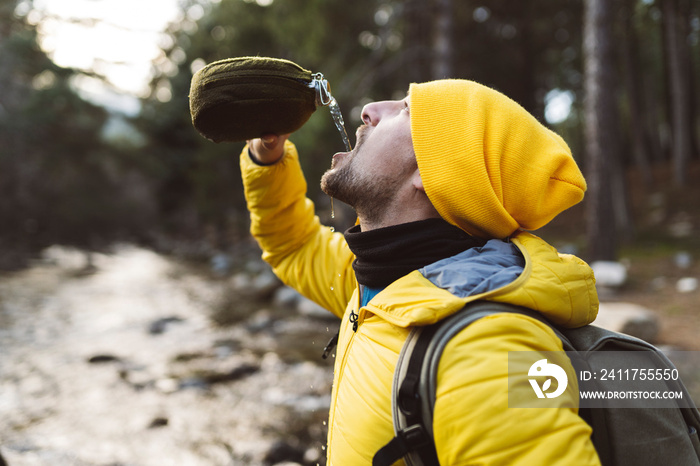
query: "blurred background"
101, 169
97, 144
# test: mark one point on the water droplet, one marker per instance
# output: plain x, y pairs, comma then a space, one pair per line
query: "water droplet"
332, 229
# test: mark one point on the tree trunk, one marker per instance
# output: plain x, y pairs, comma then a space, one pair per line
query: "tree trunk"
443, 45
418, 15
679, 92
633, 77
599, 127
686, 11
652, 121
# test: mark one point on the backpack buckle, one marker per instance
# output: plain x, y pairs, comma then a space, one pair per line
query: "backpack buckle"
414, 437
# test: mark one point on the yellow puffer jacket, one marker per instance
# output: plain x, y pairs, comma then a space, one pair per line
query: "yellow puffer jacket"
473, 424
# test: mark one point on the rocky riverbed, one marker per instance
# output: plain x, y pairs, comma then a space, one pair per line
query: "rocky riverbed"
132, 358
136, 359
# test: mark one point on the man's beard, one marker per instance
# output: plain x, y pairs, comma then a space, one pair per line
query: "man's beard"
368, 195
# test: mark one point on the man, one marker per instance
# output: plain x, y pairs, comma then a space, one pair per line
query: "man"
444, 184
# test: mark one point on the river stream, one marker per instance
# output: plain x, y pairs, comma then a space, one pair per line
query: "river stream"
124, 363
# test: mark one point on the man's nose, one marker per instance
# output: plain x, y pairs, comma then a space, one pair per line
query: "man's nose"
372, 113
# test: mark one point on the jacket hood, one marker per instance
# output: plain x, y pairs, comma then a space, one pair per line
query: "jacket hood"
526, 271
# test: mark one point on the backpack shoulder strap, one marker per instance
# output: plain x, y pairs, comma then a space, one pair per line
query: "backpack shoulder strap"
412, 439
415, 376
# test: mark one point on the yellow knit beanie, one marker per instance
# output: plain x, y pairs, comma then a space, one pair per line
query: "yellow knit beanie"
487, 165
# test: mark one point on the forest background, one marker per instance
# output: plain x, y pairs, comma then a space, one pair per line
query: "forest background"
173, 342
616, 78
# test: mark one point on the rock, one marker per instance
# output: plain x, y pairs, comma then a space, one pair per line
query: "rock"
65, 257
266, 283
167, 385
224, 347
138, 378
687, 285
681, 225
241, 281
158, 422
203, 378
306, 307
286, 297
262, 320
256, 265
237, 373
158, 326
313, 456
609, 273
282, 452
191, 356
629, 318
103, 358
683, 260
261, 286
220, 263
271, 362
193, 383
658, 283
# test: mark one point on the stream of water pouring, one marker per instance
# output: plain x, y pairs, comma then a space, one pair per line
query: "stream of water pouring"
324, 97
339, 123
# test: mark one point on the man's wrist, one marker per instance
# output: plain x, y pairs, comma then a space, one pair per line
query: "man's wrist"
256, 161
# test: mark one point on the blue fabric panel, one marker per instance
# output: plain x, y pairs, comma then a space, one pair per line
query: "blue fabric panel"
368, 294
477, 270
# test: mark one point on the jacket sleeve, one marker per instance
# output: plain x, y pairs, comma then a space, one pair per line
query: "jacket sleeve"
473, 423
304, 254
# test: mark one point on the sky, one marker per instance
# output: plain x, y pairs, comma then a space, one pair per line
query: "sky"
558, 105
119, 39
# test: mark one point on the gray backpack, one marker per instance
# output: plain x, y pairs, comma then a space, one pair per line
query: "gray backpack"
621, 436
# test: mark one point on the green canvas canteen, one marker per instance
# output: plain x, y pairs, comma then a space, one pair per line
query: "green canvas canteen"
242, 98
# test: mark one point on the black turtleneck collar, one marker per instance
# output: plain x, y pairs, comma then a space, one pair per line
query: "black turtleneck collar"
387, 254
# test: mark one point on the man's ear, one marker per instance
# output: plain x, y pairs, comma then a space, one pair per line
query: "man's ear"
417, 181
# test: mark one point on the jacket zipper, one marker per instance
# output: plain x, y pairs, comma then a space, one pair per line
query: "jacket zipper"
254, 75
333, 342
354, 318
317, 82
338, 381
